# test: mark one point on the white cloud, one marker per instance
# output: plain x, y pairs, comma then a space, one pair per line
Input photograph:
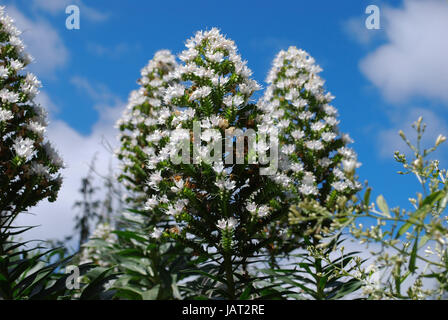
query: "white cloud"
42, 41
389, 140
413, 62
356, 29
58, 7
44, 100
114, 52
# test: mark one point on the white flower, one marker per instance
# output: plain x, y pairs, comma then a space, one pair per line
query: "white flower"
324, 162
164, 199
227, 224
288, 149
53, 155
226, 184
178, 185
347, 153
237, 100
300, 103
330, 110
177, 208
200, 93
211, 135
308, 178
222, 224
16, 65
338, 173
283, 124
306, 189
8, 96
24, 147
16, 42
328, 136
154, 180
340, 185
39, 169
249, 86
306, 115
173, 91
297, 134
331, 121
218, 167
188, 55
317, 126
151, 203
37, 127
4, 72
440, 139
350, 165
263, 211
216, 57
314, 145
5, 115
251, 207
157, 233
296, 167
346, 138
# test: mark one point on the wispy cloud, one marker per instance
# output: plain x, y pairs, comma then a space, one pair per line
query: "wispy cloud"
114, 52
43, 42
410, 63
389, 140
355, 28
56, 220
55, 7
413, 62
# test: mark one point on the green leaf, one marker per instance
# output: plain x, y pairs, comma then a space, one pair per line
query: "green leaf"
246, 293
134, 266
367, 196
413, 255
151, 294
433, 197
413, 219
383, 206
95, 288
423, 240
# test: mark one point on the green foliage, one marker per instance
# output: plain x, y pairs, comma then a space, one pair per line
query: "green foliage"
403, 263
26, 273
219, 229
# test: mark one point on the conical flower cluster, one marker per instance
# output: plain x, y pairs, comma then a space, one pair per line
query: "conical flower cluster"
195, 184
208, 196
189, 151
142, 124
29, 164
315, 161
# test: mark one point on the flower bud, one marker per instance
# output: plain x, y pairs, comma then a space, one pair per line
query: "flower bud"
440, 139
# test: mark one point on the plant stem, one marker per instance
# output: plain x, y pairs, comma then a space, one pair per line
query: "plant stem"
229, 275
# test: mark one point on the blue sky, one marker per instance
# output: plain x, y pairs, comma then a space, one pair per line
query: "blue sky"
382, 79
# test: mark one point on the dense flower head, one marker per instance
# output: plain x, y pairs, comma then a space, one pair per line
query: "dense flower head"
212, 90
212, 61
142, 124
191, 190
314, 155
175, 134
29, 165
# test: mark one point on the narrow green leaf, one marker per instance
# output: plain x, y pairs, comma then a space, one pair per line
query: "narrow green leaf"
382, 205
